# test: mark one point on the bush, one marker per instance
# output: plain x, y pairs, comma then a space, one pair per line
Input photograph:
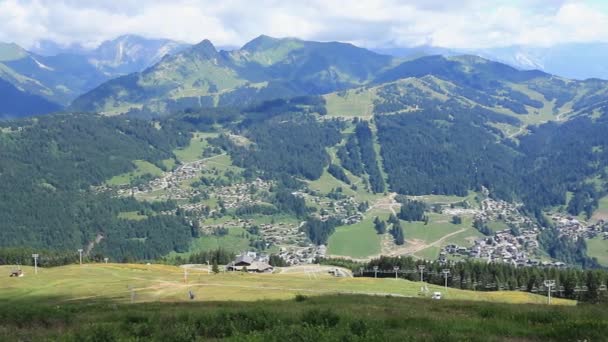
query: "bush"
325, 318
300, 297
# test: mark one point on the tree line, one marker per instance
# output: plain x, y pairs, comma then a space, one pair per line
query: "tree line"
571, 283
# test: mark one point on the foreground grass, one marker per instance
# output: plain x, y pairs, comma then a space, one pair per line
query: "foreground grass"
324, 318
149, 283
109, 302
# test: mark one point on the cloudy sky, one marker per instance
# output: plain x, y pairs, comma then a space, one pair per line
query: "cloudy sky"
370, 23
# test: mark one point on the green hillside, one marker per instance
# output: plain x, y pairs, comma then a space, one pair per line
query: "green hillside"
111, 282
115, 302
222, 157
265, 68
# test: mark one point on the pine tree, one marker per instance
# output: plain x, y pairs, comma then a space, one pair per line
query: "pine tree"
397, 233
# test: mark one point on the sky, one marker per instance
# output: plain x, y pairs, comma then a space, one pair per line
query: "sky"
368, 23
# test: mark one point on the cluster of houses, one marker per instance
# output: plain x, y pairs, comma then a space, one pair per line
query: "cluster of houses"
498, 254
508, 245
241, 194
346, 209
169, 181
499, 210
300, 255
574, 229
505, 246
283, 234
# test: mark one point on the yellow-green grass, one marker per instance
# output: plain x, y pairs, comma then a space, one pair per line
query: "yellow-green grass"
101, 282
430, 253
113, 108
439, 225
152, 196
446, 199
232, 242
326, 183
602, 209
358, 240
598, 248
497, 225
464, 238
222, 162
194, 150
169, 163
377, 149
132, 215
351, 103
268, 219
211, 221
142, 167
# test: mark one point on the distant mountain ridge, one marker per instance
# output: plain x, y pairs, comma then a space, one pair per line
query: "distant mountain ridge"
158, 76
271, 68
570, 60
60, 78
264, 68
17, 103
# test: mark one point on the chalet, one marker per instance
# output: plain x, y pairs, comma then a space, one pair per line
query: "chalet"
246, 262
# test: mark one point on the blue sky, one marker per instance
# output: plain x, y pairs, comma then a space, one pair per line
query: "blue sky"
370, 23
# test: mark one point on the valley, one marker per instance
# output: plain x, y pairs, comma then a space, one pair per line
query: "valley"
437, 158
373, 171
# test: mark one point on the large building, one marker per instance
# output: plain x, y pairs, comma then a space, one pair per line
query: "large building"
250, 264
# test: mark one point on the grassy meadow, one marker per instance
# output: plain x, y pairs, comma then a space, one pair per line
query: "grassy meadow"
359, 240
166, 283
598, 248
109, 302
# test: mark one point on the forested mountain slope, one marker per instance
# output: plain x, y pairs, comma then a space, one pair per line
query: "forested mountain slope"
47, 168
229, 142
17, 103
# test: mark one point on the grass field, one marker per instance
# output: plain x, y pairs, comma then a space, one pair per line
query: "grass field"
142, 167
307, 319
439, 226
359, 240
194, 151
108, 302
232, 242
166, 283
444, 199
497, 225
132, 215
602, 210
354, 103
598, 248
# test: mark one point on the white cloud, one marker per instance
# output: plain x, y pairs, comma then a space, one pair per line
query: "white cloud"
372, 23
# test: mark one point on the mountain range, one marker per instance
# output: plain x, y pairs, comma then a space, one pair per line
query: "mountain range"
142, 164
54, 77
269, 68
60, 78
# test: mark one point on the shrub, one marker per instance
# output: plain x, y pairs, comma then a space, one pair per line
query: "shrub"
325, 318
300, 297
